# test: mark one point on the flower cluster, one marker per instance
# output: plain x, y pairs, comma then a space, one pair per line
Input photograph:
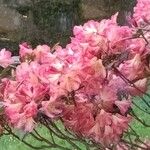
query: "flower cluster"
88, 84
5, 58
141, 12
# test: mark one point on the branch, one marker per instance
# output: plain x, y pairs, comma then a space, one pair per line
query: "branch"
145, 111
62, 136
138, 119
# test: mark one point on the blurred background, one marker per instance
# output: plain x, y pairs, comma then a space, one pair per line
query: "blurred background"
51, 21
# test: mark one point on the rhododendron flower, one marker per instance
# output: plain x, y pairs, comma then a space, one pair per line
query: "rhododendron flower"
43, 55
25, 50
49, 74
32, 91
123, 106
5, 58
23, 71
140, 87
78, 118
137, 46
88, 84
132, 69
98, 68
30, 109
108, 128
51, 108
12, 109
141, 12
116, 37
21, 115
107, 97
26, 124
70, 81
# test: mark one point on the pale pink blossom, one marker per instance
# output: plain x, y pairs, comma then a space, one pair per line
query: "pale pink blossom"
123, 106
52, 108
141, 12
5, 58
42, 54
139, 88
138, 46
25, 50
108, 128
107, 97
133, 68
70, 81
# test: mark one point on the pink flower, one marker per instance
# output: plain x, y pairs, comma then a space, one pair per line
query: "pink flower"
70, 81
49, 74
102, 120
133, 68
95, 132
105, 23
12, 109
141, 12
19, 112
52, 108
140, 87
25, 124
21, 115
116, 37
98, 68
31, 91
87, 84
120, 123
43, 55
29, 125
138, 46
78, 118
84, 32
5, 58
23, 71
108, 128
30, 109
107, 97
25, 50
123, 106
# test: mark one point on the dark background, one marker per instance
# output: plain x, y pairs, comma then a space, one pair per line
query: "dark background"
51, 21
